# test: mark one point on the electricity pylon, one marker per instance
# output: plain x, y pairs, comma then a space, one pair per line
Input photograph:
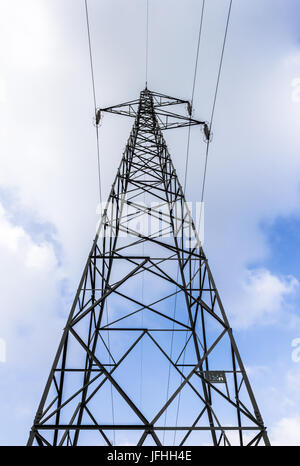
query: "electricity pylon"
147, 355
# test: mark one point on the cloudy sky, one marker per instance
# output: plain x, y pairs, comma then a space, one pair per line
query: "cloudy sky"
48, 178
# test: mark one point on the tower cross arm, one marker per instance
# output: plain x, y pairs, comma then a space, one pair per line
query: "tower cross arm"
166, 119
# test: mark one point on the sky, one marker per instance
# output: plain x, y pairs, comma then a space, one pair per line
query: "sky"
48, 174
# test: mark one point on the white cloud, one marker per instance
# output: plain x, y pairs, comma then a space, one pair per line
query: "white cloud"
257, 370
15, 239
31, 321
40, 256
9, 235
20, 24
2, 90
30, 278
293, 379
262, 297
286, 432
292, 61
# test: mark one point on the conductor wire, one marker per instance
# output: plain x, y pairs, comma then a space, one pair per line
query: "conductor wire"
184, 189
99, 179
94, 98
147, 41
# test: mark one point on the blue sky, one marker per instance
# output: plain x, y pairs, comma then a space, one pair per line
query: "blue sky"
283, 241
48, 180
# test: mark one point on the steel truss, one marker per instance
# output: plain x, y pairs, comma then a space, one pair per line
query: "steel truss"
126, 357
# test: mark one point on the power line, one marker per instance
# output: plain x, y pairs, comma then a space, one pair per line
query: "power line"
221, 64
197, 53
184, 189
143, 246
147, 40
142, 317
207, 147
193, 92
213, 110
99, 170
94, 97
111, 387
187, 161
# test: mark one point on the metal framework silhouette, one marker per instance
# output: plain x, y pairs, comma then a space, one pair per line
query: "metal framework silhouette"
147, 356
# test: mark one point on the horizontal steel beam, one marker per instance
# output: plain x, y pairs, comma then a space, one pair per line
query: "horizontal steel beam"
146, 427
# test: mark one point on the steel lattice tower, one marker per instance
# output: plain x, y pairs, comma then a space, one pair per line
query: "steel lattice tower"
126, 357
